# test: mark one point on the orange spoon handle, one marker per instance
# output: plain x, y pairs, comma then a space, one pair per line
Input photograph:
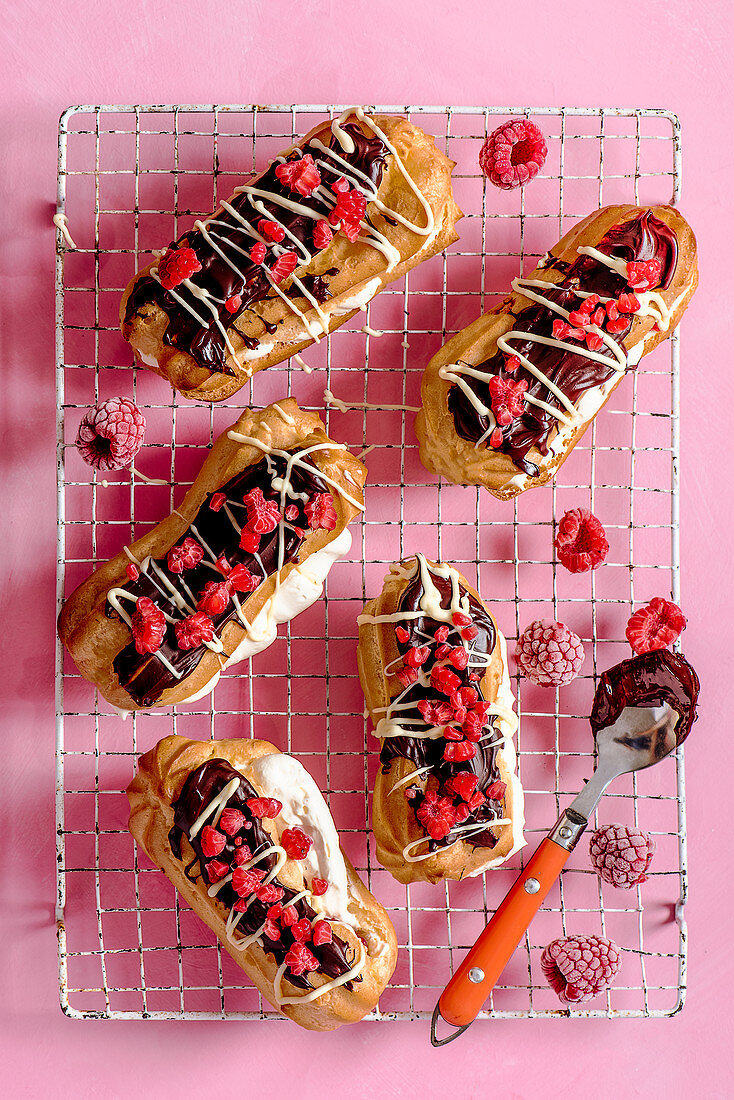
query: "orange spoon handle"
477, 975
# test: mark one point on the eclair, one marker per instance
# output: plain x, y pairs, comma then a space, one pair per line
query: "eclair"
292, 254
506, 400
245, 835
249, 547
447, 801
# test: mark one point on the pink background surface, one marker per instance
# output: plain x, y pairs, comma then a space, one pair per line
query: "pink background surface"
675, 56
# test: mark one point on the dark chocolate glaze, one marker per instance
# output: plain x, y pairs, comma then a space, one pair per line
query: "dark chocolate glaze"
205, 343
648, 680
201, 787
144, 676
642, 238
422, 751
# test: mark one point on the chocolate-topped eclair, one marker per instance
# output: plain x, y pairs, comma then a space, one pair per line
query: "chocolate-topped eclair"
248, 548
292, 254
433, 665
506, 400
245, 835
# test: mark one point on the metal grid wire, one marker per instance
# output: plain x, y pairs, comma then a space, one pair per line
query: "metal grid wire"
128, 177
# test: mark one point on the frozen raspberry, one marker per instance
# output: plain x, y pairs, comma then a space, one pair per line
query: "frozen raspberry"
185, 556
655, 626
111, 434
436, 814
271, 931
288, 916
628, 303
194, 630
270, 230
349, 211
621, 855
644, 274
458, 751
269, 894
436, 714
417, 656
300, 175
407, 676
215, 598
513, 154
245, 880
212, 841
301, 930
148, 626
284, 267
579, 967
549, 654
507, 398
233, 304
322, 933
231, 820
322, 234
581, 543
240, 579
177, 264
257, 252
264, 807
463, 784
444, 680
319, 886
216, 869
300, 960
262, 515
496, 791
295, 843
320, 512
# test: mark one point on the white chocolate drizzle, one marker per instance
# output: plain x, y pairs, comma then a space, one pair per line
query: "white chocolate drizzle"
344, 406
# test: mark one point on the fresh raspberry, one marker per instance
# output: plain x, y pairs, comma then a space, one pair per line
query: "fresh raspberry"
621, 855
580, 542
644, 274
215, 598
319, 886
194, 630
284, 267
111, 434
507, 398
295, 843
271, 230
349, 211
579, 967
186, 555
257, 252
655, 626
216, 869
148, 626
231, 820
300, 175
177, 264
436, 814
320, 512
212, 841
233, 304
322, 234
300, 960
549, 654
264, 807
301, 930
245, 880
262, 515
322, 933
240, 579
513, 154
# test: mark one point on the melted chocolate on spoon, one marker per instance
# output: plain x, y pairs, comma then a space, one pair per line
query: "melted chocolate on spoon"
648, 680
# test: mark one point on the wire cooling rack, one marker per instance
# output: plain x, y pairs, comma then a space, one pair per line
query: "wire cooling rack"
130, 178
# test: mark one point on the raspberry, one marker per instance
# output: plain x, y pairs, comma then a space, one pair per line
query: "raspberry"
301, 175
579, 967
215, 598
417, 656
512, 363
496, 791
469, 633
111, 434
621, 855
216, 869
644, 274
563, 331
549, 654
463, 784
436, 714
300, 960
457, 751
217, 500
240, 579
617, 325
284, 267
349, 211
407, 676
594, 341
288, 916
269, 894
322, 933
212, 841
257, 252
507, 398
271, 930
185, 556
628, 303
322, 234
342, 184
249, 541
246, 880
233, 304
302, 929
320, 512
177, 264
580, 541
319, 886
655, 626
291, 512
513, 154
231, 820
262, 515
436, 814
132, 571
444, 680
459, 618
402, 634
295, 843
271, 230
194, 630
441, 634
264, 807
148, 626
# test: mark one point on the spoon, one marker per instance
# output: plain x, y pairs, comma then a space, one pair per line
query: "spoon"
638, 738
